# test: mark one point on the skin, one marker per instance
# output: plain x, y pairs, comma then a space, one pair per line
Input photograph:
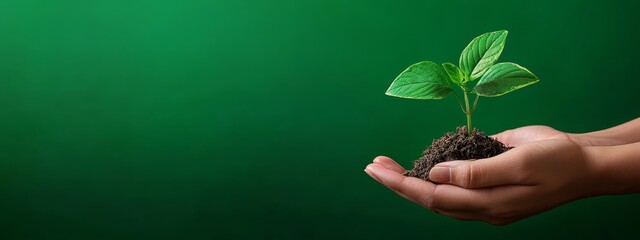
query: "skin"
547, 168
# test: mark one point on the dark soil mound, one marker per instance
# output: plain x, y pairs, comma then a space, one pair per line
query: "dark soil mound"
456, 146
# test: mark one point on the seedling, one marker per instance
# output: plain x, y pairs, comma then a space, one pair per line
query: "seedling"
429, 80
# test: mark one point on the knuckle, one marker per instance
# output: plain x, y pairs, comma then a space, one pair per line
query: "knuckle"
525, 167
463, 175
526, 155
470, 175
525, 159
428, 200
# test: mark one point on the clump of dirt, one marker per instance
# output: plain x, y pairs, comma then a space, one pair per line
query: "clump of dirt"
456, 146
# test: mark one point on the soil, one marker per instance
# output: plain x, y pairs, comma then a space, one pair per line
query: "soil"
456, 146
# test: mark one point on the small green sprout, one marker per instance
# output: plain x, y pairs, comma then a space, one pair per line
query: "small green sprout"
429, 80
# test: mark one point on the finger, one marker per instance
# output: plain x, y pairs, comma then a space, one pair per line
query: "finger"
366, 170
503, 169
460, 203
411, 188
465, 216
452, 198
484, 204
388, 163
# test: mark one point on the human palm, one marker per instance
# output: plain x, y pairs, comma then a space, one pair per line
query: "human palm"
522, 135
521, 182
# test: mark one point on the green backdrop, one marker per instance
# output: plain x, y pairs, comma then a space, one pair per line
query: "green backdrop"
255, 119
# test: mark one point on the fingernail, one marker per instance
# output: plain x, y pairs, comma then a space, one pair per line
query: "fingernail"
440, 174
371, 174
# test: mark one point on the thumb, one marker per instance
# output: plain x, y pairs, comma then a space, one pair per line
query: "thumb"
489, 172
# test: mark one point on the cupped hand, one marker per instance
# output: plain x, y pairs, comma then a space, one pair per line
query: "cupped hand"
529, 179
518, 136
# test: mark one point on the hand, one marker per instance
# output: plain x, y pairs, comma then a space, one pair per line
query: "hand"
522, 135
529, 179
619, 135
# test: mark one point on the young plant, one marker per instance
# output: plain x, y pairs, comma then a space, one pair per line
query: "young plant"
429, 80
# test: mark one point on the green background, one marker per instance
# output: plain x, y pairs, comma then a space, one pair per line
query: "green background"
254, 119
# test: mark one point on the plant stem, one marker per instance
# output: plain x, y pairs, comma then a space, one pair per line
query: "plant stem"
475, 103
459, 102
467, 112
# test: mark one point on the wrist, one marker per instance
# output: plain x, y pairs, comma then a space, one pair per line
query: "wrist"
614, 169
582, 139
599, 173
593, 139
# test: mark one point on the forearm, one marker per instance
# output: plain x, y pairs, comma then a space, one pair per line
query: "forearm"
625, 133
616, 168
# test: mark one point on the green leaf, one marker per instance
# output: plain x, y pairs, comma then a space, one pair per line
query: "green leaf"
481, 53
503, 78
423, 80
454, 73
